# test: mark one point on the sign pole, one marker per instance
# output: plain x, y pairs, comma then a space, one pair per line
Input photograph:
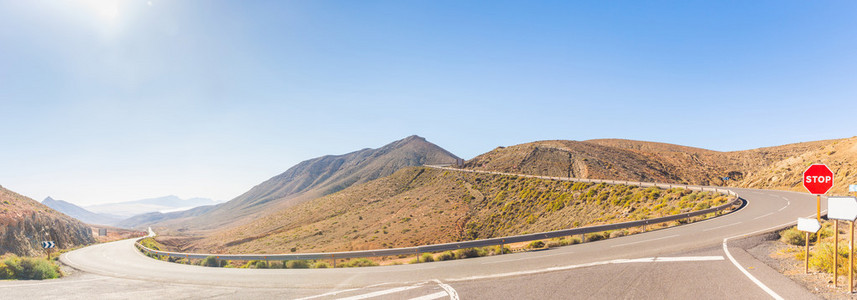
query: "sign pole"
818, 216
851, 260
835, 253
806, 257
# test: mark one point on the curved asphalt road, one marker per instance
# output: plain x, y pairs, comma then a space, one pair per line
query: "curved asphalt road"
589, 270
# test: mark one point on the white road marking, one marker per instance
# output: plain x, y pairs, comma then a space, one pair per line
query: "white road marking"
762, 216
55, 281
592, 264
688, 258
453, 295
432, 296
525, 258
327, 294
341, 291
649, 240
718, 227
381, 293
752, 278
787, 205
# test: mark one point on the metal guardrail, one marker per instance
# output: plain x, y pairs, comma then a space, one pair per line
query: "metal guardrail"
478, 243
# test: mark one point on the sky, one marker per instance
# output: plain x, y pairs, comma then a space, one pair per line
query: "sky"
106, 101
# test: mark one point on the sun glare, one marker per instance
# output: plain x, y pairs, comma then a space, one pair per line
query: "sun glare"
108, 9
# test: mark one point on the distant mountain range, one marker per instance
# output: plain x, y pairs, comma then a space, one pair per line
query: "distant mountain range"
309, 180
126, 214
80, 213
162, 204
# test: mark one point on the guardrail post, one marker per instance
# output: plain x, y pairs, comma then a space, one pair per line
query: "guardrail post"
502, 246
333, 257
582, 238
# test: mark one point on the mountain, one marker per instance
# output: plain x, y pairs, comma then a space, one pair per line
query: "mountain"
25, 223
318, 177
80, 213
778, 167
162, 204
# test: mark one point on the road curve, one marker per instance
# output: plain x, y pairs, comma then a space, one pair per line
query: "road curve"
765, 210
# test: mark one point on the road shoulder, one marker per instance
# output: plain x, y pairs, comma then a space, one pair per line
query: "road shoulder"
742, 250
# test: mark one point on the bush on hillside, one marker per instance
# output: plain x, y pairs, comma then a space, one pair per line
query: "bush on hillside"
595, 237
360, 262
210, 261
470, 252
795, 237
320, 265
28, 268
821, 258
297, 264
536, 245
448, 255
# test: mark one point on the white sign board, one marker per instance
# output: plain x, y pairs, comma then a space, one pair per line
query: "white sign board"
808, 225
852, 188
842, 208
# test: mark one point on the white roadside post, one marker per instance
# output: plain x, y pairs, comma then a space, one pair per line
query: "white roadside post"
809, 226
845, 209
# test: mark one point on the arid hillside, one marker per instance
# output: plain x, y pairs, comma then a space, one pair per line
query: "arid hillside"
785, 174
306, 181
25, 223
419, 205
777, 167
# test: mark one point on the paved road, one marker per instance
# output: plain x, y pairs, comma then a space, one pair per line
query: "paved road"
679, 262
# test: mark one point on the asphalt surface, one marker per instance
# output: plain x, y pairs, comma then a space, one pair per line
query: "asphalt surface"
662, 264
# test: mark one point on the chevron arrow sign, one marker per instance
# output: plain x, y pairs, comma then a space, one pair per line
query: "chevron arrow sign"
48, 244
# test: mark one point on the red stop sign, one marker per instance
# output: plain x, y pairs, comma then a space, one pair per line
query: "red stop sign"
818, 179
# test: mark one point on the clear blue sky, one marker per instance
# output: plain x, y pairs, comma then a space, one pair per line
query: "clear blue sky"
105, 101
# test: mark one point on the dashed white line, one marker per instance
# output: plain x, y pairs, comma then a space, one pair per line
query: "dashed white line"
649, 240
762, 216
718, 227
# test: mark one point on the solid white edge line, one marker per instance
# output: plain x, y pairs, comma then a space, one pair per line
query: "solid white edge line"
453, 295
752, 278
432, 296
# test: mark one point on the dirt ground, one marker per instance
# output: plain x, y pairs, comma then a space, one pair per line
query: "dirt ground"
781, 257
